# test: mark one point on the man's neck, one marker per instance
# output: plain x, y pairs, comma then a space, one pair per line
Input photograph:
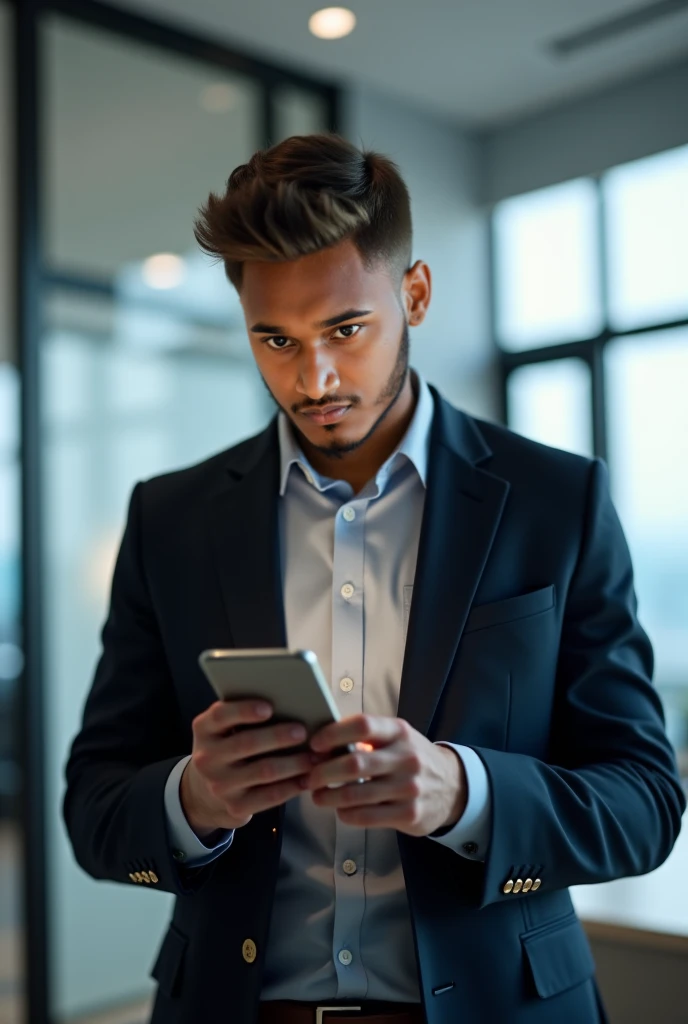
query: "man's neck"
361, 465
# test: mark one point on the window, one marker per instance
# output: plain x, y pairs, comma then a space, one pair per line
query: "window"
591, 317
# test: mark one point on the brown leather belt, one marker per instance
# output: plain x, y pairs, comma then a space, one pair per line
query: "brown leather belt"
355, 1011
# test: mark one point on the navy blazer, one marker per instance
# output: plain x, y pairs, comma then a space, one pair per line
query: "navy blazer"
523, 642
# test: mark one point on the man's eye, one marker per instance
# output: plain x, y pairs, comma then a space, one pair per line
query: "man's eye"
276, 337
350, 327
281, 338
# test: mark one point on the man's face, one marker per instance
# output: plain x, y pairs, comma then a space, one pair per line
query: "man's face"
360, 362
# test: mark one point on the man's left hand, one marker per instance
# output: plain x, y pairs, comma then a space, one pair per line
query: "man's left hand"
411, 784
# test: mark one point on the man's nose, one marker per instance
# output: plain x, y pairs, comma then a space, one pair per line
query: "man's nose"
317, 377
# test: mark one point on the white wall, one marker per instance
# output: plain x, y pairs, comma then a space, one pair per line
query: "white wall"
626, 122
441, 166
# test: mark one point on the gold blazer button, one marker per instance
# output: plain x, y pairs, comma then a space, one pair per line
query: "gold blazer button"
508, 886
518, 885
249, 950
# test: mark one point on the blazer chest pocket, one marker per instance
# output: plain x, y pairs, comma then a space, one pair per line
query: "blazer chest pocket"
510, 609
167, 969
559, 956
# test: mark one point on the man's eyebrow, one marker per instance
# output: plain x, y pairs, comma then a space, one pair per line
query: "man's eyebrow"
332, 322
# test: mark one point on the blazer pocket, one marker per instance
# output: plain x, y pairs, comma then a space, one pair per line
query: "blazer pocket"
510, 609
559, 956
167, 969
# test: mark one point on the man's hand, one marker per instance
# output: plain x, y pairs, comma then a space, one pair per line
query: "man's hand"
411, 784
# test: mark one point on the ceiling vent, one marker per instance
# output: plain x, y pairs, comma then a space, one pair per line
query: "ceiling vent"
612, 28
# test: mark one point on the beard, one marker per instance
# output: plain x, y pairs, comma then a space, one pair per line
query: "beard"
388, 397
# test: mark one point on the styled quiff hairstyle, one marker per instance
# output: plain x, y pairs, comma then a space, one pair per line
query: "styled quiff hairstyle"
305, 194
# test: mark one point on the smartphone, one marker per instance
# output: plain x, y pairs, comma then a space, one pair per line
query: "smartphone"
292, 681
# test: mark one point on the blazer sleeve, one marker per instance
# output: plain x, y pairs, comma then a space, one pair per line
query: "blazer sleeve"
608, 801
131, 737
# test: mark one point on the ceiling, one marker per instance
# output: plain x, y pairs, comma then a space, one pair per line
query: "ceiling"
479, 62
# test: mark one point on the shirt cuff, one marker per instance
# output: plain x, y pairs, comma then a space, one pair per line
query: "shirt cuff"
470, 836
187, 848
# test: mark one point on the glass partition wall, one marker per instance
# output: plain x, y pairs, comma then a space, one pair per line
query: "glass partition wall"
11, 641
591, 316
137, 364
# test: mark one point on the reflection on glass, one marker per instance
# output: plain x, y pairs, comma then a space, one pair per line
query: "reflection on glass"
135, 139
648, 450
648, 453
153, 373
547, 266
298, 112
551, 403
646, 205
12, 973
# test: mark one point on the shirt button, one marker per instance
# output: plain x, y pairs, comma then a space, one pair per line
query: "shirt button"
346, 684
347, 591
349, 515
470, 847
345, 956
349, 867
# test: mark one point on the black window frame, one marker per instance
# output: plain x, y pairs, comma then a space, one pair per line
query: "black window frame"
589, 349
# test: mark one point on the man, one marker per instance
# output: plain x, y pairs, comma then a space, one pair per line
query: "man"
469, 595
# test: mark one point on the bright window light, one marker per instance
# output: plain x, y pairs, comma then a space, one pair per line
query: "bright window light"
332, 22
646, 205
546, 266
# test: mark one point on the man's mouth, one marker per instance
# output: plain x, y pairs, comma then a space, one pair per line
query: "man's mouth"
328, 414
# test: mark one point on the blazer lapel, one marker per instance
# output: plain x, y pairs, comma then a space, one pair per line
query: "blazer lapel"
463, 507
245, 535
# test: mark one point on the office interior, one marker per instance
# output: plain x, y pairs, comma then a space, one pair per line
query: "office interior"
546, 152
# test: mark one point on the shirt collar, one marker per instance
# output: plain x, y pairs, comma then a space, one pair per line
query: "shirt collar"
414, 445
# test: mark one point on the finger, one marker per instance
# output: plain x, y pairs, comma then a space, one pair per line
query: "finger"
263, 798
224, 715
397, 788
377, 730
362, 764
270, 770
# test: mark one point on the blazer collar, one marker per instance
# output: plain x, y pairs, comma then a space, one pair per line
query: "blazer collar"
463, 508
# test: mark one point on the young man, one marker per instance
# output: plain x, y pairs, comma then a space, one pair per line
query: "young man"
469, 595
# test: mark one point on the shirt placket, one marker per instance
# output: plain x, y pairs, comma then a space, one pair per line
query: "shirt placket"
347, 688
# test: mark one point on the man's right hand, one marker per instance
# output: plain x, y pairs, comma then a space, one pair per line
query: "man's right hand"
219, 790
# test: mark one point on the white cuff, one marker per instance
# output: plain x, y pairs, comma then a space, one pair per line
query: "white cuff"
186, 846
470, 836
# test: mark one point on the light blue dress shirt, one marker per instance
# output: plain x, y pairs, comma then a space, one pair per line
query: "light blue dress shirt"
348, 566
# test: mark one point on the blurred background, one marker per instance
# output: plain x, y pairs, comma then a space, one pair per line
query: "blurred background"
545, 145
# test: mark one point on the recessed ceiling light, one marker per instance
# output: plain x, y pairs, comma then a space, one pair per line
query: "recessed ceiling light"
165, 270
332, 22
218, 98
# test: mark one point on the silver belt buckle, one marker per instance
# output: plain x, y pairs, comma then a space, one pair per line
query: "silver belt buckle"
319, 1010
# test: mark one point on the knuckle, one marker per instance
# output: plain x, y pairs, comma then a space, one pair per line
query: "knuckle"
413, 762
356, 763
413, 789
